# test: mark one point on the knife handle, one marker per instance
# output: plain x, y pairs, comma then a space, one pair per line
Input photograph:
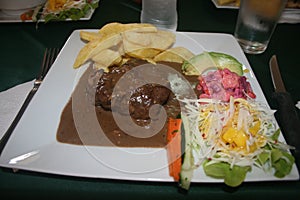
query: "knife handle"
288, 121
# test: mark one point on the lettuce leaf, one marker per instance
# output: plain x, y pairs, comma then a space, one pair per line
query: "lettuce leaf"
282, 162
72, 13
233, 177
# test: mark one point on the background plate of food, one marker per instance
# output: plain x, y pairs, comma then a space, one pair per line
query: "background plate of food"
291, 13
53, 10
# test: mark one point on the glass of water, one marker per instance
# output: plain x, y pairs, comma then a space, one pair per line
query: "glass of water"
256, 23
161, 13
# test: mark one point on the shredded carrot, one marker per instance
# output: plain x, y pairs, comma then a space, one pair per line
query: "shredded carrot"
174, 147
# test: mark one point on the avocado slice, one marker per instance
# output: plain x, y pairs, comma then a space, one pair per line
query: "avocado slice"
211, 60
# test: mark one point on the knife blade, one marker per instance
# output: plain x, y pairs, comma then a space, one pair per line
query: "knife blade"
286, 113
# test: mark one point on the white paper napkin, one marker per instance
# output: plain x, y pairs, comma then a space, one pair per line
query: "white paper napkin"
11, 101
298, 105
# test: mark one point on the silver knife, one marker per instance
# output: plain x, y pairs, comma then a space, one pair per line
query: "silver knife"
286, 113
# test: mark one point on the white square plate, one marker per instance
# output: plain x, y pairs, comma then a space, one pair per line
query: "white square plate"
33, 145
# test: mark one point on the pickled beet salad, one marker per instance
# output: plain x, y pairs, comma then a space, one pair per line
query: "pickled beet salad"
222, 84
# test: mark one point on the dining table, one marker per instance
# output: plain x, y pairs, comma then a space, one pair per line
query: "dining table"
21, 55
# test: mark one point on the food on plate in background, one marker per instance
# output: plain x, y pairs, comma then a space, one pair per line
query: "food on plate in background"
265, 8
15, 7
54, 5
60, 10
60, 5
293, 4
289, 4
226, 2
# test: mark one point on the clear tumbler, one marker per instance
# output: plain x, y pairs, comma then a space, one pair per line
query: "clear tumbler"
256, 23
161, 13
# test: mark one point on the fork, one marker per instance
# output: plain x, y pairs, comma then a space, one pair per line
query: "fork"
49, 57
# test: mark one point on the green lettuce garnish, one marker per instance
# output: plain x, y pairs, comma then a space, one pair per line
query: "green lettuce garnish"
282, 162
232, 176
72, 13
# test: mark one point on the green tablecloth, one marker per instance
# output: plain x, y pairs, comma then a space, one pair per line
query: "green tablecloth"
21, 52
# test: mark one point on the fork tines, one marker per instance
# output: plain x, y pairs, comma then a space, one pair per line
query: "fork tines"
49, 57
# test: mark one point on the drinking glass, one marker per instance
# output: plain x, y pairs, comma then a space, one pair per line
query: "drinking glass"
256, 23
161, 13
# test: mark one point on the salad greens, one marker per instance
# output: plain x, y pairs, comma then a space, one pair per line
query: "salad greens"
233, 176
282, 162
73, 11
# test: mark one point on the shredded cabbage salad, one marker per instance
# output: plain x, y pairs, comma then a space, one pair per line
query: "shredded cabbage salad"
229, 138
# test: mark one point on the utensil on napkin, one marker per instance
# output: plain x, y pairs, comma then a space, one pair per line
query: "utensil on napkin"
49, 57
286, 114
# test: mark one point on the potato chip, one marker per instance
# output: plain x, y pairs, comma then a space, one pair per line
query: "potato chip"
117, 28
144, 53
89, 36
94, 47
147, 44
106, 58
114, 28
175, 54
